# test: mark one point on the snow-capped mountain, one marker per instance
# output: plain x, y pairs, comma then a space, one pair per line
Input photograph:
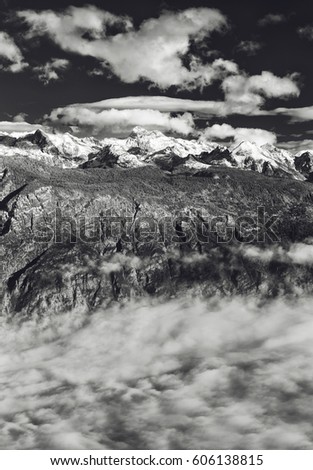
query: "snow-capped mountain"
150, 142
64, 150
153, 148
144, 147
265, 159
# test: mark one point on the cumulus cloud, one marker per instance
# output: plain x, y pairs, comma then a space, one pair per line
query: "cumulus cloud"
272, 19
244, 94
86, 31
11, 54
249, 47
306, 32
176, 375
20, 117
120, 121
226, 131
167, 39
51, 70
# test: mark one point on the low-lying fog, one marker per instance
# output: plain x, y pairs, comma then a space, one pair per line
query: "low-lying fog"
178, 375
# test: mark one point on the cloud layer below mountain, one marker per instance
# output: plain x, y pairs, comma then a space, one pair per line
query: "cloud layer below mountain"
179, 375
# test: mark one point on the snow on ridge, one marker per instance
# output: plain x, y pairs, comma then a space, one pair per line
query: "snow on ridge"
141, 147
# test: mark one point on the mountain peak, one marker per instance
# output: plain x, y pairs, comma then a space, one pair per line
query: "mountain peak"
245, 145
38, 137
139, 131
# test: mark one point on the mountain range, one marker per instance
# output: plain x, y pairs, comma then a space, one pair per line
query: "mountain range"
87, 222
153, 148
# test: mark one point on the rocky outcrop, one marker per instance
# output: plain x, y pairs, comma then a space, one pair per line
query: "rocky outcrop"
304, 164
102, 159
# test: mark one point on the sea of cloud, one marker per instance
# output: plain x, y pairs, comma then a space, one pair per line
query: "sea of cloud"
181, 374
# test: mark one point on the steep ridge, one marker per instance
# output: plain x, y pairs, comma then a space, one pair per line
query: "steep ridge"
304, 164
63, 150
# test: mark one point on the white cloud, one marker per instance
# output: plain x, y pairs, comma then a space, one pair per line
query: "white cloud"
301, 253
272, 18
182, 374
295, 146
166, 39
50, 71
225, 131
297, 253
20, 117
246, 95
249, 47
14, 61
18, 125
306, 32
243, 95
120, 122
72, 24
160, 103
272, 86
265, 255
152, 52
296, 114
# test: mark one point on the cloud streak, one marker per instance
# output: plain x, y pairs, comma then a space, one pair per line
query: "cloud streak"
295, 114
297, 253
118, 122
243, 95
18, 125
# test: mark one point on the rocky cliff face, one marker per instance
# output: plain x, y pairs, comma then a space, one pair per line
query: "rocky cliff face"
87, 236
304, 164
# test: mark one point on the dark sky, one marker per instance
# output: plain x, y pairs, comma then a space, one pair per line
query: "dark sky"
283, 51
